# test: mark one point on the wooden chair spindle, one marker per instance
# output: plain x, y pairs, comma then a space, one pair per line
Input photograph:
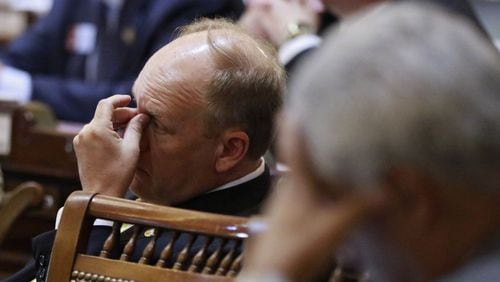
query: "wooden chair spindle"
148, 252
227, 261
200, 256
213, 260
235, 266
167, 251
111, 240
128, 250
184, 254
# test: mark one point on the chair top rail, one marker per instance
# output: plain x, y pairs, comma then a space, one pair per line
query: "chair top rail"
134, 212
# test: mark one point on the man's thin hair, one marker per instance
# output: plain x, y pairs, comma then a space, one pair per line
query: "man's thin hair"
247, 84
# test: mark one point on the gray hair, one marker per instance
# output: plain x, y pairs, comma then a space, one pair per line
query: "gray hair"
404, 83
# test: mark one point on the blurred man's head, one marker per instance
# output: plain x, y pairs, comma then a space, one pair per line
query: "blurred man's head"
212, 94
404, 101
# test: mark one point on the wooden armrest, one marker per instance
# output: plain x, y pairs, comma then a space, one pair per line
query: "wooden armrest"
15, 202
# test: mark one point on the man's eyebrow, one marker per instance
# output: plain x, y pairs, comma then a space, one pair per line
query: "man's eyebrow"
151, 112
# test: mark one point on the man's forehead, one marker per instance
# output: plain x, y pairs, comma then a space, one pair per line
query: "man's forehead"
185, 57
158, 93
182, 62
181, 67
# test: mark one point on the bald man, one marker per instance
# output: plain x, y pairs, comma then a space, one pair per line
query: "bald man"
206, 104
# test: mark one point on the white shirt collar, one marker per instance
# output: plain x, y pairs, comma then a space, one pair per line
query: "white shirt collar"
252, 175
293, 47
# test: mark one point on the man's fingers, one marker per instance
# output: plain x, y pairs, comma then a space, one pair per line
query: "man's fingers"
106, 107
122, 116
134, 130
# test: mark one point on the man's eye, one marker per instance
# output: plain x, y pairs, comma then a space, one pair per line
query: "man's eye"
154, 124
160, 128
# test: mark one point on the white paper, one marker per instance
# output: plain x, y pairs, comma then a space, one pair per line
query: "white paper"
85, 35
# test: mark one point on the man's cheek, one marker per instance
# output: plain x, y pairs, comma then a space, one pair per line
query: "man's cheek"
382, 258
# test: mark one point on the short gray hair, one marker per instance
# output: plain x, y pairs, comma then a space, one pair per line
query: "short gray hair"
404, 83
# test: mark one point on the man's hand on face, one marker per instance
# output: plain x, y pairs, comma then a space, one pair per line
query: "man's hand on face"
270, 19
107, 149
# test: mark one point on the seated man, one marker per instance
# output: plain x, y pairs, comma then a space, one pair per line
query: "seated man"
206, 104
86, 50
392, 132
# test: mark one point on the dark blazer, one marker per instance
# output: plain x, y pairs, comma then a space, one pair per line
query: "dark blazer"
241, 200
59, 73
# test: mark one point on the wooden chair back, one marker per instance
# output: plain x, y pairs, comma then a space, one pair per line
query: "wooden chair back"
14, 202
69, 261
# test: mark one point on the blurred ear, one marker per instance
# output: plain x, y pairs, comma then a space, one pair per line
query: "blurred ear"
414, 199
232, 149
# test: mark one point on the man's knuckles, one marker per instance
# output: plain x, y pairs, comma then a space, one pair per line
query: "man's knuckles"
89, 133
108, 102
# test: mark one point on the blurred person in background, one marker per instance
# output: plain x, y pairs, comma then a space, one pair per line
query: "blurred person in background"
392, 136
85, 50
294, 26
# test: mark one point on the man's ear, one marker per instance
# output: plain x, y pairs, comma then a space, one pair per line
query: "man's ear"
232, 149
414, 199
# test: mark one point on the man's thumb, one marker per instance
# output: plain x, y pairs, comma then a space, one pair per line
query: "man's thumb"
135, 128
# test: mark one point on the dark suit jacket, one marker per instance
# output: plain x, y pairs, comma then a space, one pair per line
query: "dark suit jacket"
241, 200
59, 73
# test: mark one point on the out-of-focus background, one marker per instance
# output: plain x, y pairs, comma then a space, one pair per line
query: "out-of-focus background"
16, 15
488, 12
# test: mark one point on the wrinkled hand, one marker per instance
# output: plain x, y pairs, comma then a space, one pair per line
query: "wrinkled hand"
306, 222
269, 19
106, 159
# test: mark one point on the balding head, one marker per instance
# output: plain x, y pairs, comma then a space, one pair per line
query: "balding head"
233, 77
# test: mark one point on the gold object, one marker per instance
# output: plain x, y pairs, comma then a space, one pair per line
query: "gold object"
149, 233
128, 35
296, 28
